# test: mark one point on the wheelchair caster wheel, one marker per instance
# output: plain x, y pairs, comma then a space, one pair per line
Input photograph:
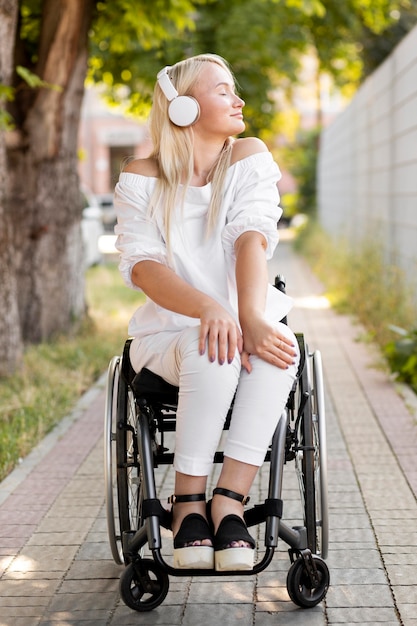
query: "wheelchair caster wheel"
143, 586
300, 588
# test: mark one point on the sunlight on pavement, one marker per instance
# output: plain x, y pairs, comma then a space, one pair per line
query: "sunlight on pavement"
23, 564
312, 302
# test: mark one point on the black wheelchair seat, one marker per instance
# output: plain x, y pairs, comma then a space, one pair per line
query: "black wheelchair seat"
146, 384
155, 389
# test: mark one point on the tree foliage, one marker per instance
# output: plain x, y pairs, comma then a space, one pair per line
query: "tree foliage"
264, 40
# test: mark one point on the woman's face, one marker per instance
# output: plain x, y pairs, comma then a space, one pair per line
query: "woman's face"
220, 107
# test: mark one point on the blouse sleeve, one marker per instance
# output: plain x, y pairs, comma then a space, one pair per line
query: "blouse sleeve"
256, 202
138, 237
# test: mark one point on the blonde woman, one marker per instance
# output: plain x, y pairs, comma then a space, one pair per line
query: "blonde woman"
196, 225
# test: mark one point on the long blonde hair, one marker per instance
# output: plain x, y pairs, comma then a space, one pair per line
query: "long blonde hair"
173, 147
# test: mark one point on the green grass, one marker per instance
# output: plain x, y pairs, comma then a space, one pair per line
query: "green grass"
55, 374
360, 283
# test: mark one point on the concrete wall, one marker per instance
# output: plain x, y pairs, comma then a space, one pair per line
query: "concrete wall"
367, 173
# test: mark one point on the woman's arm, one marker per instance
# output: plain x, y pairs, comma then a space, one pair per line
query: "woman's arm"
218, 328
259, 337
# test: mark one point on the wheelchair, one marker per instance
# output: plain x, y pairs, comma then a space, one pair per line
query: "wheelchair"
139, 419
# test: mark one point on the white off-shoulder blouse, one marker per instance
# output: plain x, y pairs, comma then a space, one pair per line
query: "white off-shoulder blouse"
250, 203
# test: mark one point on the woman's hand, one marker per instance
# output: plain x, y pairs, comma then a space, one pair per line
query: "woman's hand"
266, 342
220, 332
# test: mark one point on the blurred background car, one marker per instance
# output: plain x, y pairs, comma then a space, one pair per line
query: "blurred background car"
92, 228
105, 201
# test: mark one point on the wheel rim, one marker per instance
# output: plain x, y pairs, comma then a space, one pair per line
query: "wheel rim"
315, 503
129, 476
133, 470
109, 455
304, 457
320, 464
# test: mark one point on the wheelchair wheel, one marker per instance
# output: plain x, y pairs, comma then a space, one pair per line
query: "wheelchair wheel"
143, 586
129, 476
299, 586
311, 457
110, 419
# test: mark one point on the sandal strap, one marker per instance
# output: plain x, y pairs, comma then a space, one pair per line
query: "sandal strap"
195, 497
220, 491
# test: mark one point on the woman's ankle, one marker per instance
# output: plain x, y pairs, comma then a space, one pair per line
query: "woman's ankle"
180, 510
222, 506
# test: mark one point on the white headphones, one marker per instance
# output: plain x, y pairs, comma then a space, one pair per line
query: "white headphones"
182, 110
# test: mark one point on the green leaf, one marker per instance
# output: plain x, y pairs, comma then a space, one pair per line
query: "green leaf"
6, 92
33, 80
6, 120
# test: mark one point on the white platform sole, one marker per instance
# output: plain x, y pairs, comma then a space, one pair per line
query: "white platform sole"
234, 559
194, 557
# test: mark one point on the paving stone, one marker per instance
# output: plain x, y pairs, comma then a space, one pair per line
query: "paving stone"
272, 594
33, 575
20, 621
350, 596
44, 558
408, 612
93, 569
25, 591
226, 614
400, 558
221, 591
264, 616
386, 616
85, 601
163, 615
363, 577
90, 551
68, 538
76, 618
402, 575
406, 594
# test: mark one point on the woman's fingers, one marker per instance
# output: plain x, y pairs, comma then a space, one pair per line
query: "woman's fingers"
221, 338
222, 342
246, 364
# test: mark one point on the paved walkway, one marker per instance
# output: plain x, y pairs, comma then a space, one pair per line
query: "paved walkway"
55, 563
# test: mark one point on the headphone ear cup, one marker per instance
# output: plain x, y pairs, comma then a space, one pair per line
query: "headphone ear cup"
184, 111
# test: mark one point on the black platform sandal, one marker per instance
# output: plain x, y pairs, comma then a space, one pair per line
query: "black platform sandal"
232, 528
193, 528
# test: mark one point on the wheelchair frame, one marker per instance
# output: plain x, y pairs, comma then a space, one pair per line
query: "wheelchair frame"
140, 409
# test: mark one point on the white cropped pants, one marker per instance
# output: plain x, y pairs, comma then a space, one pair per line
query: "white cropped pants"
206, 392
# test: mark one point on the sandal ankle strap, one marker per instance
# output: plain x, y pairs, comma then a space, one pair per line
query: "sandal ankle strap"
195, 497
231, 494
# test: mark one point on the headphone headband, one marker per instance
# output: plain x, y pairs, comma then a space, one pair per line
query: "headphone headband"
166, 84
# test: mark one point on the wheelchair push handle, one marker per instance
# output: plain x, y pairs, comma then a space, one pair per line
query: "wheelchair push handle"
280, 282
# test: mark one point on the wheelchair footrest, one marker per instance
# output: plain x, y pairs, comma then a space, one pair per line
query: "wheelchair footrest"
271, 507
153, 506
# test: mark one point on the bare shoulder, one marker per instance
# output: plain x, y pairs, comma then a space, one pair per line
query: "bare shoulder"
246, 146
144, 167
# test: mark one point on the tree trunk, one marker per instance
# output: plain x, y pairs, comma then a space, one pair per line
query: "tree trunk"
10, 337
44, 199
